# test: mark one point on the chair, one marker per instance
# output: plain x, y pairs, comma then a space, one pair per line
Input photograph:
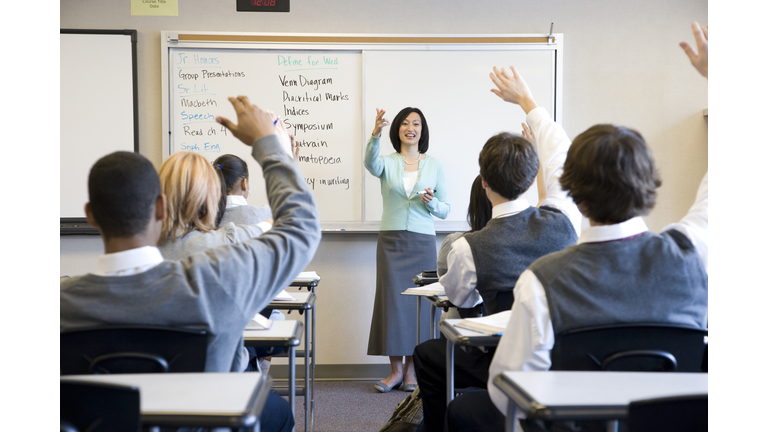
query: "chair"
630, 347
97, 407
132, 349
672, 414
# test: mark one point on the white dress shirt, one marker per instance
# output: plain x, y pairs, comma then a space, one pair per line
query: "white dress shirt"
127, 263
529, 337
552, 145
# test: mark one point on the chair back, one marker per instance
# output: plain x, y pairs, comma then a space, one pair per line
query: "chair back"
671, 414
630, 347
132, 349
97, 407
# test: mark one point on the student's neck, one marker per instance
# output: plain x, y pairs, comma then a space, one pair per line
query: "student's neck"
122, 244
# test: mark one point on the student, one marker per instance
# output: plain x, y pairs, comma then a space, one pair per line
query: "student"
234, 172
619, 272
218, 290
484, 265
193, 192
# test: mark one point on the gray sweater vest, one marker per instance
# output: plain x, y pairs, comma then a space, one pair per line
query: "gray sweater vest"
505, 247
655, 278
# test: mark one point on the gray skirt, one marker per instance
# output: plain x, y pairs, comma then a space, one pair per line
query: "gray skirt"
399, 256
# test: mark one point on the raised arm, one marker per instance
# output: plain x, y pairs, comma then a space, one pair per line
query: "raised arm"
253, 272
551, 141
700, 59
371, 160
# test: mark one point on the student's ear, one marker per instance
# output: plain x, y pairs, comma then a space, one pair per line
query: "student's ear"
485, 184
161, 211
89, 215
245, 187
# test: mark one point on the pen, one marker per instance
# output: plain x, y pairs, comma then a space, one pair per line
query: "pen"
423, 192
276, 120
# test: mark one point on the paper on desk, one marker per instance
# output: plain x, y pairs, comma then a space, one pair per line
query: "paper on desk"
307, 276
284, 296
259, 322
492, 324
426, 290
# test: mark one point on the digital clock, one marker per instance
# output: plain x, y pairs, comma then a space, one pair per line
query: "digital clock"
263, 5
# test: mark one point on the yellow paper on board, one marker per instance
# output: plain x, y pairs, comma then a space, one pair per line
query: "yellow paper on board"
155, 7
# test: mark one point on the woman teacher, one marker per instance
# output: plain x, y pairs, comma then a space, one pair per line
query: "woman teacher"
413, 187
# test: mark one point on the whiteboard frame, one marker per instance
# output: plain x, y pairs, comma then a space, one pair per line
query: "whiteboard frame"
79, 225
171, 39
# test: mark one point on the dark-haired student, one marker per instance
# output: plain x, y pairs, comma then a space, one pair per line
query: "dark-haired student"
483, 266
619, 272
218, 290
238, 186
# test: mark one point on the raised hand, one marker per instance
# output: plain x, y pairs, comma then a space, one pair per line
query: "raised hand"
512, 88
381, 122
699, 60
282, 134
252, 122
528, 132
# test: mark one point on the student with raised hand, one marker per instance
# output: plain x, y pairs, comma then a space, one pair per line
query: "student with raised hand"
218, 290
484, 266
619, 272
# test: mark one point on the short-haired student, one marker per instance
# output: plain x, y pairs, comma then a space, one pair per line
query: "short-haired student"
619, 272
218, 290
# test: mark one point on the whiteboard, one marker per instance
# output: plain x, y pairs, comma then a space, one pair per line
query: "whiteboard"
317, 93
97, 110
326, 88
460, 109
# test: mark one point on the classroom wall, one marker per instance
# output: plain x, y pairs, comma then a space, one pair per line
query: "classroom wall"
622, 65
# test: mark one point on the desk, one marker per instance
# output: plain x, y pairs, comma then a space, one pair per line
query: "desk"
593, 395
304, 303
282, 333
204, 399
461, 337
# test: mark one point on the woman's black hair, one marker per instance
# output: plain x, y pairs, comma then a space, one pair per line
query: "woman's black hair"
480, 210
394, 131
232, 168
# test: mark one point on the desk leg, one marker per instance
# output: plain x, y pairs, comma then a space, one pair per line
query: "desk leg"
449, 371
511, 423
312, 380
612, 426
418, 319
431, 320
306, 369
292, 379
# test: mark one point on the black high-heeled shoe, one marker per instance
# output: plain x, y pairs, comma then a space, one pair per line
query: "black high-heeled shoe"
383, 388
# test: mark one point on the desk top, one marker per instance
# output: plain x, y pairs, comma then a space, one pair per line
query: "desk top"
193, 399
282, 333
464, 337
304, 300
593, 395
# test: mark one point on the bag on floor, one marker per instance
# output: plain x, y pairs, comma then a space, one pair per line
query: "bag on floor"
407, 416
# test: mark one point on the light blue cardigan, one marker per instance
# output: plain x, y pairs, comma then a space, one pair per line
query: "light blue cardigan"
402, 212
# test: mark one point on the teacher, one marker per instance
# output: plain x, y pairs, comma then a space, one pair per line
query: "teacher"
413, 187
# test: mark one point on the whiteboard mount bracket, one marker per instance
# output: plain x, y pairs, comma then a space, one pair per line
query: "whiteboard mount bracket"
550, 38
172, 37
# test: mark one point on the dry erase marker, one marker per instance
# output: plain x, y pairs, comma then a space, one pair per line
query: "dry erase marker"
276, 120
423, 192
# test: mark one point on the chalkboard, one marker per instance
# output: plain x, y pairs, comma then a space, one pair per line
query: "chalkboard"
326, 88
99, 112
